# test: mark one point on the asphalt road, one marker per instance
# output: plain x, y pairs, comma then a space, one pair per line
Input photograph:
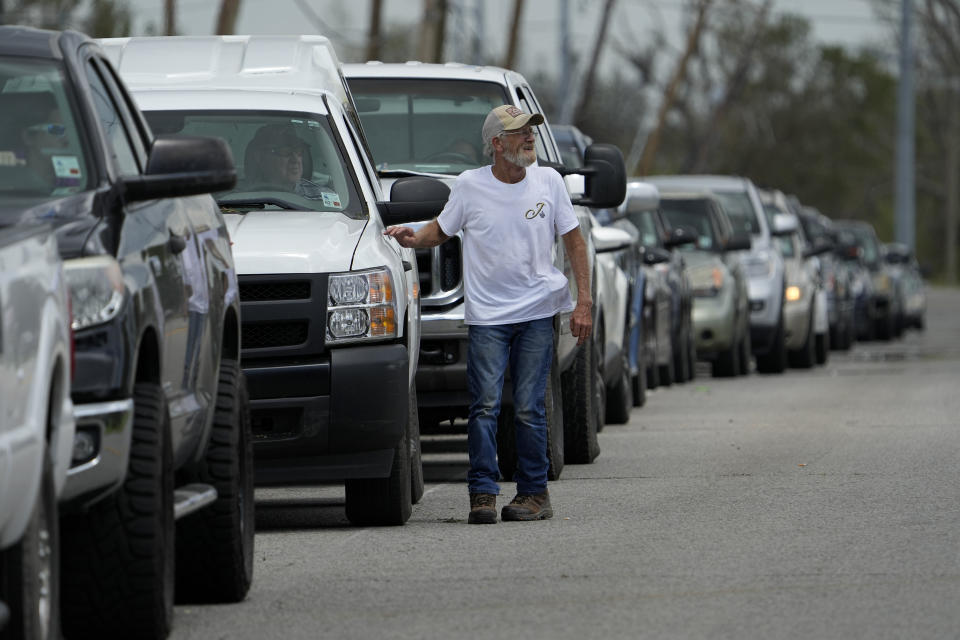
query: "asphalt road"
816, 504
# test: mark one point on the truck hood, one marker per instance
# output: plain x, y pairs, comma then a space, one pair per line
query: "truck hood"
293, 241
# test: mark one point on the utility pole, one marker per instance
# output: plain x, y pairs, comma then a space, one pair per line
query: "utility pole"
904, 180
952, 182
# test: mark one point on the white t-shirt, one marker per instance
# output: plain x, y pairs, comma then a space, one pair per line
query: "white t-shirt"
508, 234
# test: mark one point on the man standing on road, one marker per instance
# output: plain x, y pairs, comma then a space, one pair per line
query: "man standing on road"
509, 213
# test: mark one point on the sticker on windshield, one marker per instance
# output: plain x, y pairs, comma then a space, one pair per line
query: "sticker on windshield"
67, 170
331, 199
10, 159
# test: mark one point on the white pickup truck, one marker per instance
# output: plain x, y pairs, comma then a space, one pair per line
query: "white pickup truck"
36, 425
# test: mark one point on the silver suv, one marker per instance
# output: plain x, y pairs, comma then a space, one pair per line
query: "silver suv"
763, 262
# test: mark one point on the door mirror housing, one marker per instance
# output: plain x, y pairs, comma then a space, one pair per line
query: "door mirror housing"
605, 176
182, 166
738, 242
414, 199
681, 235
655, 255
818, 248
784, 224
606, 239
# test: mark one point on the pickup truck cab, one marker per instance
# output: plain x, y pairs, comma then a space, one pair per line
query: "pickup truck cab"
161, 451
36, 424
331, 308
425, 119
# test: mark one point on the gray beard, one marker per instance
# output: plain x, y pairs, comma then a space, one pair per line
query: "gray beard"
520, 158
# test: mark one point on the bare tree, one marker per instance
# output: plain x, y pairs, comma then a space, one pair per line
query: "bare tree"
169, 17
433, 27
373, 34
227, 18
511, 60
734, 85
679, 73
586, 92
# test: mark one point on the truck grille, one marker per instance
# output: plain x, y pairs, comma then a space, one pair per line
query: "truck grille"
440, 268
260, 291
283, 315
273, 334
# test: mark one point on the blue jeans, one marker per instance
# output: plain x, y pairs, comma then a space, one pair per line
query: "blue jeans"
528, 349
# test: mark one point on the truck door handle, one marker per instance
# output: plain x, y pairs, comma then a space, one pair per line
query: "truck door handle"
176, 243
407, 266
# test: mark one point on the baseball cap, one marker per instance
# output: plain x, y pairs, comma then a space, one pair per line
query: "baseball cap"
278, 135
507, 117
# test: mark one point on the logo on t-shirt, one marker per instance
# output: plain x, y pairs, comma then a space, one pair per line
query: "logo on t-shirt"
536, 211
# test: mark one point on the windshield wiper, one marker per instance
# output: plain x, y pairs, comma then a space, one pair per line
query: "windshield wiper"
258, 203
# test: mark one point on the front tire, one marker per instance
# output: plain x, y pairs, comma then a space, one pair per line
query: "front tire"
620, 396
383, 501
215, 544
118, 557
579, 408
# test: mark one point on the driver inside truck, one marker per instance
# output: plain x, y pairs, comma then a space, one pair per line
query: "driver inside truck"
278, 159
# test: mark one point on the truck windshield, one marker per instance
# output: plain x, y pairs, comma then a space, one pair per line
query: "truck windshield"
41, 152
431, 126
740, 210
284, 160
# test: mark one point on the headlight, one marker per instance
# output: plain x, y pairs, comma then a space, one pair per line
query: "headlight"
96, 290
706, 281
793, 293
360, 306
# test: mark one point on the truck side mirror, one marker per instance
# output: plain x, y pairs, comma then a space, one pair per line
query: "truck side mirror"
681, 235
605, 174
413, 199
655, 255
738, 242
182, 166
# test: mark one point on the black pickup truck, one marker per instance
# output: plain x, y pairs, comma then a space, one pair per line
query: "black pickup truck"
162, 450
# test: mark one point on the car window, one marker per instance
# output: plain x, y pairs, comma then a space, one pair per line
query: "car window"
117, 137
740, 211
787, 245
282, 158
647, 226
42, 153
425, 125
692, 213
528, 104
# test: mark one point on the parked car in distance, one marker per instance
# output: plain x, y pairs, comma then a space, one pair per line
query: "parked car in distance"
667, 283
721, 324
885, 305
331, 308
36, 420
913, 290
805, 301
426, 119
762, 262
850, 257
158, 497
837, 278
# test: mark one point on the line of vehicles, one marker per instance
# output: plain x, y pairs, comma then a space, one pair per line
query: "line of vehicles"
164, 350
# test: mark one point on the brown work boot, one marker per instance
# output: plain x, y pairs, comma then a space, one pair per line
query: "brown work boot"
528, 506
483, 508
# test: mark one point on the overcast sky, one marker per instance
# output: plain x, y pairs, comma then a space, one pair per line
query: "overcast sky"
847, 22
